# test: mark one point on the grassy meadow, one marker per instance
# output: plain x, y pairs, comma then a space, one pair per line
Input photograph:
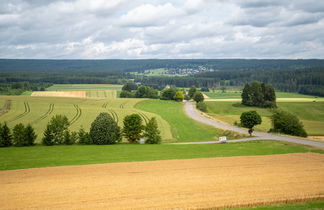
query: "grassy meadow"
310, 113
80, 111
45, 156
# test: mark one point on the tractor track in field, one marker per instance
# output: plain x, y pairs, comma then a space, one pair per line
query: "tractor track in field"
49, 111
6, 107
77, 115
26, 111
122, 105
114, 115
105, 105
145, 118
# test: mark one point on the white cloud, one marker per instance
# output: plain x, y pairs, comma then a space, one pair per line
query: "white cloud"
161, 29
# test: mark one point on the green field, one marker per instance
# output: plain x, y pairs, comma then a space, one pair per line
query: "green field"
80, 112
312, 205
236, 94
183, 127
70, 87
44, 156
311, 114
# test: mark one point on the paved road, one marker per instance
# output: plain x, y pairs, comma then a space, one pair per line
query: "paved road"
192, 112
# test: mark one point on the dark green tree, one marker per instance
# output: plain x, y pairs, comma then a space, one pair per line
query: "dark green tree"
55, 130
192, 91
30, 135
269, 96
129, 86
104, 130
18, 135
250, 119
133, 127
202, 106
287, 123
126, 94
178, 96
168, 94
257, 94
151, 132
198, 97
5, 136
146, 92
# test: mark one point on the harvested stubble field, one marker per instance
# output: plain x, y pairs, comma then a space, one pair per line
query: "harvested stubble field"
191, 183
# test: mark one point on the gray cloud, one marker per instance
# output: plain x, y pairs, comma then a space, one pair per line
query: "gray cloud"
161, 29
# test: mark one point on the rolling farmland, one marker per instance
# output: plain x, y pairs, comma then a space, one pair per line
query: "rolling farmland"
80, 111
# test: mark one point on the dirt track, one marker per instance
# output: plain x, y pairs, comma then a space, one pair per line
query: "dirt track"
194, 183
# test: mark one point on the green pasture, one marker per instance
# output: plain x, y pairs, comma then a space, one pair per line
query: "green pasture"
45, 156
183, 128
311, 205
310, 113
71, 87
236, 94
80, 111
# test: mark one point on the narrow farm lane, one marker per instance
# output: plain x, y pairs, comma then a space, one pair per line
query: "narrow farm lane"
192, 113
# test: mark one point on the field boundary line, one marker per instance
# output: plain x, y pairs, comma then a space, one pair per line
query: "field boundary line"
77, 115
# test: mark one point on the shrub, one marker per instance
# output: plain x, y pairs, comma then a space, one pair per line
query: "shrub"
202, 106
204, 89
146, 92
132, 127
104, 130
168, 94
250, 119
55, 130
192, 91
198, 97
284, 122
129, 86
178, 96
84, 137
5, 136
151, 132
126, 94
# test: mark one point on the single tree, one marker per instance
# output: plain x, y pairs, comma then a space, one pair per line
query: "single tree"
151, 132
104, 130
198, 97
18, 135
133, 127
250, 119
178, 96
192, 91
168, 94
55, 130
30, 135
5, 136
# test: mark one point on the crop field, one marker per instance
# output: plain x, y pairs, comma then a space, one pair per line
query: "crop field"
168, 184
71, 87
80, 111
310, 113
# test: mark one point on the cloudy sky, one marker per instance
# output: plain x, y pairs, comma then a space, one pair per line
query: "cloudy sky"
105, 29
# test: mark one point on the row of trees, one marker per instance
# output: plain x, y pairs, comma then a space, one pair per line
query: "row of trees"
20, 135
104, 130
259, 94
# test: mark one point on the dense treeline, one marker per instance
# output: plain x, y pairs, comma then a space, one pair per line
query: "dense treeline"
115, 65
17, 88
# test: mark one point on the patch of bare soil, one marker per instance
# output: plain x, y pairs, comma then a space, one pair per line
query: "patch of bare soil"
192, 183
73, 94
316, 138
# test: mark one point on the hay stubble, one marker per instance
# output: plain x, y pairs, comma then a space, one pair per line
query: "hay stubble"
193, 183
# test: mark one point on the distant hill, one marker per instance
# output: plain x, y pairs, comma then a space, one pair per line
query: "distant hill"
15, 65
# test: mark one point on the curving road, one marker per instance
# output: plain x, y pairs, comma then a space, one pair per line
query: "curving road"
192, 113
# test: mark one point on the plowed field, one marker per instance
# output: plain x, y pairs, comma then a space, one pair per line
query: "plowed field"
191, 183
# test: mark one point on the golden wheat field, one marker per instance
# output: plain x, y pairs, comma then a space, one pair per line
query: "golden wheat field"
191, 183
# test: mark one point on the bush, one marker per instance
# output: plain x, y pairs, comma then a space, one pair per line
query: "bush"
168, 94
129, 86
198, 97
70, 137
5, 136
56, 130
178, 96
126, 94
132, 127
104, 130
250, 119
202, 106
84, 137
192, 91
204, 89
151, 132
146, 92
284, 122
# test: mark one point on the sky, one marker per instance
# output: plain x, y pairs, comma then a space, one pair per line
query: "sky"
141, 29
